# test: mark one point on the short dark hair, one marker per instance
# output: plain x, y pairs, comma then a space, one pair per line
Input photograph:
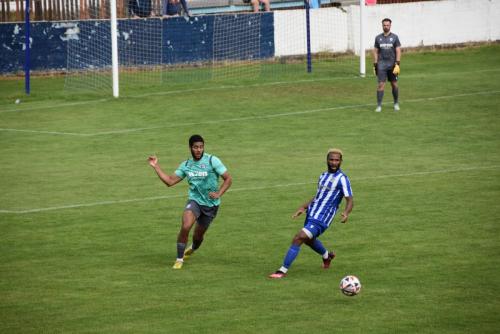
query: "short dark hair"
194, 139
387, 20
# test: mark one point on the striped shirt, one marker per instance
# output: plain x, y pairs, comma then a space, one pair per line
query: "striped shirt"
332, 187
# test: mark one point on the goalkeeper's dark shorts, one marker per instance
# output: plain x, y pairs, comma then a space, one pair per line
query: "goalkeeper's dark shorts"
384, 73
204, 214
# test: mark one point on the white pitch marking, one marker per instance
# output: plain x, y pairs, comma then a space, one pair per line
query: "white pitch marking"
55, 106
194, 90
44, 132
249, 118
146, 199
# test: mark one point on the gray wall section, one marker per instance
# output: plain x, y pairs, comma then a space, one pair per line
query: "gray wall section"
183, 41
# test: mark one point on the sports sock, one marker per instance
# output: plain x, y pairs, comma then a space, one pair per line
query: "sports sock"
318, 247
196, 244
180, 250
395, 94
380, 97
290, 256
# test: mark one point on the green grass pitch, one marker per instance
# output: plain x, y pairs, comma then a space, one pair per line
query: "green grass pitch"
88, 232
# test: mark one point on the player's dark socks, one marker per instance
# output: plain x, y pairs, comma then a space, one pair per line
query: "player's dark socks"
395, 94
380, 97
197, 244
180, 250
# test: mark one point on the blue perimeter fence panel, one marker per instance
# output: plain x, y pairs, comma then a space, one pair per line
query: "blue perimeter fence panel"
184, 41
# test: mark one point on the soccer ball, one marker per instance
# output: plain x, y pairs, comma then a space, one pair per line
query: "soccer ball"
350, 285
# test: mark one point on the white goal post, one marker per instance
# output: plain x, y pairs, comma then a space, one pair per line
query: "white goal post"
114, 49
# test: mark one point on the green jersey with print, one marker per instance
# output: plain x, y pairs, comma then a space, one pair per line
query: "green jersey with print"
203, 177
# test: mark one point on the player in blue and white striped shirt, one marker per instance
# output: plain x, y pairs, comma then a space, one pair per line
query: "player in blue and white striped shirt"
333, 186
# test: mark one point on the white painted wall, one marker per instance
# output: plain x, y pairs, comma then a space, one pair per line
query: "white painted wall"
329, 31
417, 24
437, 22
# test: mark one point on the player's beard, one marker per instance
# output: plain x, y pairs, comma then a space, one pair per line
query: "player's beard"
194, 157
332, 169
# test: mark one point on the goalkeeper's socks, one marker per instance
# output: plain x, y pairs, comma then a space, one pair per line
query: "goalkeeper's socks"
290, 256
395, 94
318, 247
380, 97
180, 250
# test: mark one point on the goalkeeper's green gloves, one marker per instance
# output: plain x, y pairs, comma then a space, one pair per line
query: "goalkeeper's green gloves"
396, 70
375, 68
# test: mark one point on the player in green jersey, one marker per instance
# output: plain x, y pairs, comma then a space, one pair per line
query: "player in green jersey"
202, 172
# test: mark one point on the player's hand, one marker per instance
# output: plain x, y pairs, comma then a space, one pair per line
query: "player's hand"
297, 213
344, 217
213, 195
375, 71
153, 161
396, 70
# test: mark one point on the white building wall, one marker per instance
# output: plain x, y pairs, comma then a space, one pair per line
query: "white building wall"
417, 24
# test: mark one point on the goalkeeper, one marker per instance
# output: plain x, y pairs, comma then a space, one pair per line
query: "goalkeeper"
386, 61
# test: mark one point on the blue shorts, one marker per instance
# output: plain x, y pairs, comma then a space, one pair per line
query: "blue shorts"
314, 228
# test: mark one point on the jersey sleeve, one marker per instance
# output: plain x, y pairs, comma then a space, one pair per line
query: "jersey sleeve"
180, 171
397, 43
376, 45
218, 166
346, 186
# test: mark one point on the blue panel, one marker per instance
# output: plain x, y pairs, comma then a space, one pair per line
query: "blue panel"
187, 40
267, 35
12, 48
184, 40
48, 46
88, 35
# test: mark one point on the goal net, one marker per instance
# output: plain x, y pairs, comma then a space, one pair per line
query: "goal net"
139, 41
155, 50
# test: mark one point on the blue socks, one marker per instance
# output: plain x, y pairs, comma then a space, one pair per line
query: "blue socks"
318, 247
290, 256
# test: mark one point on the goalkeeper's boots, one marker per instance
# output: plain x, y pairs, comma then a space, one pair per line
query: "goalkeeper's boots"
327, 261
178, 264
188, 252
277, 274
378, 109
396, 106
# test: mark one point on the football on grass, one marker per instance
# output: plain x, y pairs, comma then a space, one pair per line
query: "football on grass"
350, 285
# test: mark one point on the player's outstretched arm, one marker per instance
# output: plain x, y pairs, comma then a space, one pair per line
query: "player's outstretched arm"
348, 208
169, 180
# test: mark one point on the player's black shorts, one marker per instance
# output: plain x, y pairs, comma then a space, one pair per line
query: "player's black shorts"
204, 214
384, 73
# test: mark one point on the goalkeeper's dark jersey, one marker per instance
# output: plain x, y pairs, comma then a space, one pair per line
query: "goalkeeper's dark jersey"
386, 46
